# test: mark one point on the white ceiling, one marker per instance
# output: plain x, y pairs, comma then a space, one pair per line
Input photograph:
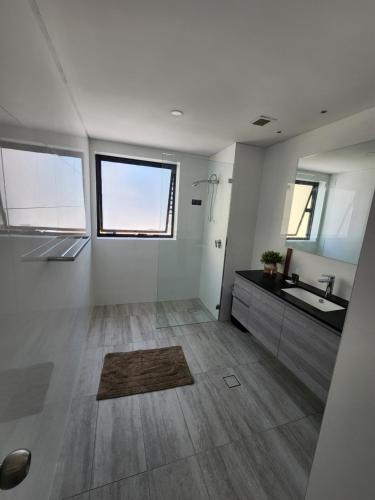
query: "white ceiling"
128, 63
32, 93
356, 157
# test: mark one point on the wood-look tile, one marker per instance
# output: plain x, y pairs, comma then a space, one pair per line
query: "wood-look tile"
192, 317
180, 480
74, 468
229, 474
91, 365
138, 328
305, 432
161, 430
164, 429
122, 309
272, 465
183, 330
105, 311
292, 447
113, 330
280, 399
83, 496
266, 398
208, 420
143, 309
119, 445
132, 488
165, 319
209, 351
303, 397
96, 331
246, 407
242, 345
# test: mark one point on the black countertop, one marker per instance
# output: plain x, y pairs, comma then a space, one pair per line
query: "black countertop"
274, 284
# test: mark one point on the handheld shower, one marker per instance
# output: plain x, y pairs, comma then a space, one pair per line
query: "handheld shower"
211, 180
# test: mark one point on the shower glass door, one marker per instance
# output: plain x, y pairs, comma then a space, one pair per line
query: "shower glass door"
191, 261
44, 304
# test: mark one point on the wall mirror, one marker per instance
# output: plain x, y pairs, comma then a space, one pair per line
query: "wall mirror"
329, 202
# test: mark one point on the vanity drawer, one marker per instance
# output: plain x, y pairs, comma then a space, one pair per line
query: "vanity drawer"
265, 319
240, 311
309, 350
242, 294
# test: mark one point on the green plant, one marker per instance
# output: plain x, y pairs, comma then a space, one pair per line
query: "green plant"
271, 257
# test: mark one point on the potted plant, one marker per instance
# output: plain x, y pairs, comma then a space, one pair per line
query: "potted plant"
270, 259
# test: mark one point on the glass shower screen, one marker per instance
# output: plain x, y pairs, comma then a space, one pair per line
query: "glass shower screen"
190, 262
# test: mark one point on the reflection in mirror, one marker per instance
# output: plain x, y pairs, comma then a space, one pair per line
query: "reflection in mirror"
330, 200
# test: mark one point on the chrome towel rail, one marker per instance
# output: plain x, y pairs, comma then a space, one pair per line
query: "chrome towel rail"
61, 249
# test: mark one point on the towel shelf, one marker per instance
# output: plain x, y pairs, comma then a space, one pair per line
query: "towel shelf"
60, 249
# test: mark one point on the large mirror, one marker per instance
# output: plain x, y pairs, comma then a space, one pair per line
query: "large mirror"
329, 202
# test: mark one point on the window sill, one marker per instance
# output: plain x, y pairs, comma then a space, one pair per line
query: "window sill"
121, 238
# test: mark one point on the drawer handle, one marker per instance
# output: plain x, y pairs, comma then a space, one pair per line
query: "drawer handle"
240, 300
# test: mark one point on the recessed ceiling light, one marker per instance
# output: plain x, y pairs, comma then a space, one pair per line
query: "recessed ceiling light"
177, 112
323, 111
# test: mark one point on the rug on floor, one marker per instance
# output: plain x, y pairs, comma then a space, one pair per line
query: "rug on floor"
135, 372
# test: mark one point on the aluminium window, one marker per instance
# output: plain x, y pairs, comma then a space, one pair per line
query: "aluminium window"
135, 198
302, 210
41, 190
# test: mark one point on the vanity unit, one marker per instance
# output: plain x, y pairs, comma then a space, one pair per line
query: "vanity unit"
302, 337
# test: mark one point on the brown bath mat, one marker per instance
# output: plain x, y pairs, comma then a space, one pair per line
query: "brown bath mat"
126, 373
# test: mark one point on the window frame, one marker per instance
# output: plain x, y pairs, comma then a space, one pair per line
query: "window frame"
310, 211
44, 230
101, 232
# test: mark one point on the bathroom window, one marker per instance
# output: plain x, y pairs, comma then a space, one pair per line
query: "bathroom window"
135, 198
41, 190
302, 210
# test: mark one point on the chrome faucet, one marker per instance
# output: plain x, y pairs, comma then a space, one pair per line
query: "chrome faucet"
330, 280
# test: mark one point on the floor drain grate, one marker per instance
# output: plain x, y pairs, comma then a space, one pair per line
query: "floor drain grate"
231, 381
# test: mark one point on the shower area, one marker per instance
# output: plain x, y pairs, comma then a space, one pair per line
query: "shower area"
191, 263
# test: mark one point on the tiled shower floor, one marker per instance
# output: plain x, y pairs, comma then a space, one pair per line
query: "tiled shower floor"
206, 441
181, 312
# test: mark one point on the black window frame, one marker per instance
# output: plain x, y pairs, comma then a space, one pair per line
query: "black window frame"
123, 233
44, 230
310, 211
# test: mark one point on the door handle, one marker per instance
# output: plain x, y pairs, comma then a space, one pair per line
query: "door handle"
14, 468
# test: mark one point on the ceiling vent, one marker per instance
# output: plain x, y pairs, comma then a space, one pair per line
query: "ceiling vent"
262, 120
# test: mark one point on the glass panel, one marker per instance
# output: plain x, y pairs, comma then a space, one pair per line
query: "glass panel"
190, 266
44, 306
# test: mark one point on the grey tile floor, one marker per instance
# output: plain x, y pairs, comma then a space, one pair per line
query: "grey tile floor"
205, 441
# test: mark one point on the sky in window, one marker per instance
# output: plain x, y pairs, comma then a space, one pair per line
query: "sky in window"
43, 189
134, 197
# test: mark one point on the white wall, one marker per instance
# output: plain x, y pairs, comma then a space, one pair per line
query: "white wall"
220, 164
44, 313
279, 169
136, 270
343, 467
247, 173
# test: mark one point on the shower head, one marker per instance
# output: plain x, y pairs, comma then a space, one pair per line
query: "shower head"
211, 180
196, 183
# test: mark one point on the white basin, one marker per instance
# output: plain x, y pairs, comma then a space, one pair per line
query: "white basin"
312, 299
